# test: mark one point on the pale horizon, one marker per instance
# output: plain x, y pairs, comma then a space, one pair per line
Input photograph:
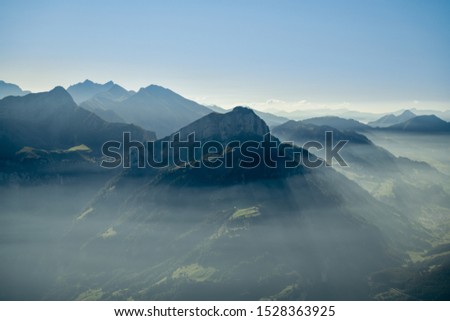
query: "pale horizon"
279, 105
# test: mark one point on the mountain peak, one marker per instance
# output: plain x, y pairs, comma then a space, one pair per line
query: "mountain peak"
429, 118
336, 122
241, 123
391, 119
87, 89
37, 107
153, 86
61, 94
155, 89
7, 89
58, 89
243, 110
407, 113
116, 89
423, 123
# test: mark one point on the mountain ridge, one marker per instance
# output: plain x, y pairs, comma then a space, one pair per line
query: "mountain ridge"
391, 119
87, 89
9, 89
53, 120
154, 108
422, 124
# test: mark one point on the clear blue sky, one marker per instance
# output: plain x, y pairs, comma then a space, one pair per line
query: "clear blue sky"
362, 53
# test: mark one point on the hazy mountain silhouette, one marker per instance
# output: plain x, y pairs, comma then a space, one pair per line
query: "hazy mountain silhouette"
104, 103
7, 89
337, 122
325, 112
363, 157
391, 119
423, 124
304, 131
52, 120
444, 114
87, 89
359, 150
154, 108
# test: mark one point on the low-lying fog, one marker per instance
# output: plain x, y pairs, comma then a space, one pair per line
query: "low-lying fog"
317, 235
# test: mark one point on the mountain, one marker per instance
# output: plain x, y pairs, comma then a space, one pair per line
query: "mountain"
399, 182
270, 119
87, 89
104, 102
337, 122
230, 233
7, 89
364, 117
360, 154
115, 93
444, 114
238, 123
52, 120
391, 119
323, 112
154, 108
302, 132
422, 124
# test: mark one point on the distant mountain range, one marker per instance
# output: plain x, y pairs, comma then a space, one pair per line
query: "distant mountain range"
163, 111
361, 155
418, 124
365, 117
104, 102
322, 112
155, 108
87, 89
422, 124
439, 113
391, 119
337, 122
7, 89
